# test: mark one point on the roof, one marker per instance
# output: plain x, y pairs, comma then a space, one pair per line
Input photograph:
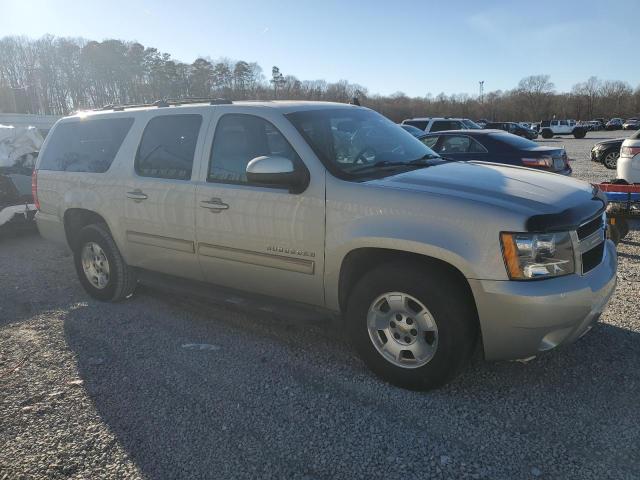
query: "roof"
468, 131
433, 118
286, 106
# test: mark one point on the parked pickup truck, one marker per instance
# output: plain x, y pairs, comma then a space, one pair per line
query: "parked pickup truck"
551, 128
332, 206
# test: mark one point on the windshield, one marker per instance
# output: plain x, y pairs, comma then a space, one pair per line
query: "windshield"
471, 124
514, 140
353, 142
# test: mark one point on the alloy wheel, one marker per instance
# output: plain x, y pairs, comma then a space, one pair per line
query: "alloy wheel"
402, 329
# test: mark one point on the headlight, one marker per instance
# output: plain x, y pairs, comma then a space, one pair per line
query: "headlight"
530, 256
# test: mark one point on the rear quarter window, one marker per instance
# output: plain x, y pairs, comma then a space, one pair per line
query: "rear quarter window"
87, 145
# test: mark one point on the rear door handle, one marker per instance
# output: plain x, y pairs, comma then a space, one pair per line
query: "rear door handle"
137, 195
215, 205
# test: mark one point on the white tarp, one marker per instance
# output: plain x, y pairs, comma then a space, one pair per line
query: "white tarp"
16, 142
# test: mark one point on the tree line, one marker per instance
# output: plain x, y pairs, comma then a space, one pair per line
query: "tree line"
55, 75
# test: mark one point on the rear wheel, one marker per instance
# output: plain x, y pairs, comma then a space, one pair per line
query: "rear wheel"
579, 133
415, 328
101, 268
547, 134
610, 160
613, 233
623, 227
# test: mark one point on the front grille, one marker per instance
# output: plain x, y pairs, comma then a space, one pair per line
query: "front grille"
592, 258
590, 227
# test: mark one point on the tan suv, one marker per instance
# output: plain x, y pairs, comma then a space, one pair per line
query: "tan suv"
332, 206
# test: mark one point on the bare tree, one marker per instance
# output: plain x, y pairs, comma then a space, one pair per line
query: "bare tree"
536, 90
60, 75
277, 80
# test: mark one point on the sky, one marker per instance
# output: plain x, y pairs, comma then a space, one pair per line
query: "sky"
415, 47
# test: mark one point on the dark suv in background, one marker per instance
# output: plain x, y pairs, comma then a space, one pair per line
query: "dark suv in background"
514, 128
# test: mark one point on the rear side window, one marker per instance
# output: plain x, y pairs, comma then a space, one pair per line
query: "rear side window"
455, 144
85, 146
168, 146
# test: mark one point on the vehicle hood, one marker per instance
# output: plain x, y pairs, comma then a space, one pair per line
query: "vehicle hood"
611, 142
564, 201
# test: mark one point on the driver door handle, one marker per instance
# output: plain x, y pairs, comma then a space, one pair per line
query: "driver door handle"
215, 205
137, 195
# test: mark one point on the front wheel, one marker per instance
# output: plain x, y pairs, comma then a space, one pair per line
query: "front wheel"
579, 133
611, 160
415, 328
547, 134
101, 268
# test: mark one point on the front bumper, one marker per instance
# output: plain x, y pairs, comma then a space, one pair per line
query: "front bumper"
523, 319
629, 169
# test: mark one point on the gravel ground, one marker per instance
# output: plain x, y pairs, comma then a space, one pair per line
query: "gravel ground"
169, 386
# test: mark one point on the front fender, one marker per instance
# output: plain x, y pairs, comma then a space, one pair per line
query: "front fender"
462, 235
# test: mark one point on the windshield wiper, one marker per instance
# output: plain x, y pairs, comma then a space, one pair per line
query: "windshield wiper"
421, 160
417, 163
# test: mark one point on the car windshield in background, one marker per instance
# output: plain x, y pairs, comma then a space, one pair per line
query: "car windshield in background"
514, 140
358, 143
471, 124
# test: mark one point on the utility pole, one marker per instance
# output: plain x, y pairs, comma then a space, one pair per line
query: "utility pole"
481, 82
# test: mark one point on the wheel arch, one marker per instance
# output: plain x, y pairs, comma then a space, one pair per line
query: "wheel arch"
75, 219
361, 260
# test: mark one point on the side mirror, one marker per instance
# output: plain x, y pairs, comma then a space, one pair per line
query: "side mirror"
277, 171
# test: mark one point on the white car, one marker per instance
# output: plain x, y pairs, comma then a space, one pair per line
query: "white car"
629, 161
631, 124
440, 124
550, 128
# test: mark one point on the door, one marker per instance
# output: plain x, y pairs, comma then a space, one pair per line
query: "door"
159, 213
252, 237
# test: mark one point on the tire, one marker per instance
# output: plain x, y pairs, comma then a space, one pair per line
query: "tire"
100, 267
579, 133
547, 134
447, 306
610, 160
613, 233
623, 227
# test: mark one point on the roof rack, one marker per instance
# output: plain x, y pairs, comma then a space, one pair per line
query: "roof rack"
167, 103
